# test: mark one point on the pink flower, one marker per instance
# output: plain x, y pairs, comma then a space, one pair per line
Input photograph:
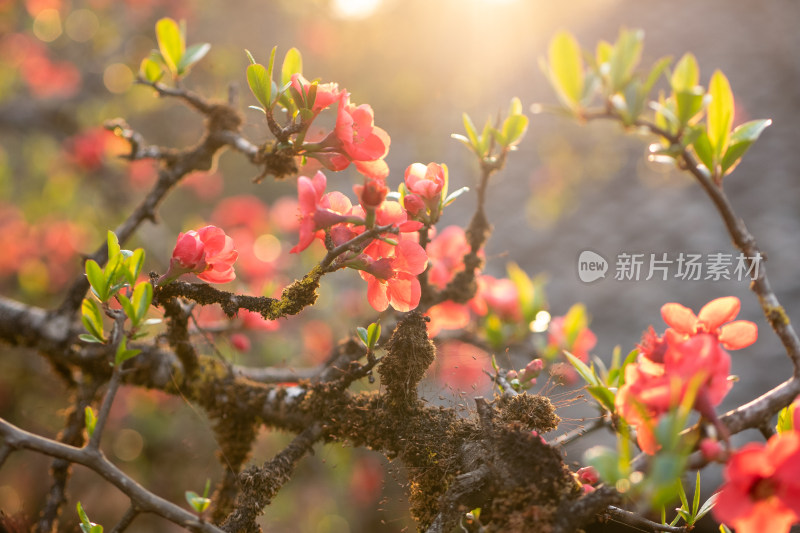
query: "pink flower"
580, 346
427, 181
712, 319
314, 212
762, 486
446, 252
447, 315
498, 295
208, 252
652, 388
392, 280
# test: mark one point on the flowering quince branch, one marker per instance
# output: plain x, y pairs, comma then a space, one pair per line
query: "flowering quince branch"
495, 459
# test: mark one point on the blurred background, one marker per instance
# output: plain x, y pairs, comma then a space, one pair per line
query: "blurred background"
67, 66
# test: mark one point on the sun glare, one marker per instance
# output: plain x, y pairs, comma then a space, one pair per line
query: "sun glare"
355, 9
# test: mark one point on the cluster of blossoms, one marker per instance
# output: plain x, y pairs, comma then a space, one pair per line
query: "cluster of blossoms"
354, 138
688, 357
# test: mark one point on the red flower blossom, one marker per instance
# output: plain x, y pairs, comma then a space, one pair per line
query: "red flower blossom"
446, 252
356, 135
715, 318
314, 209
426, 182
498, 295
653, 388
392, 279
208, 252
762, 486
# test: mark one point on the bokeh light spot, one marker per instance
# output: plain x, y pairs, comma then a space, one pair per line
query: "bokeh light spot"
47, 25
267, 248
118, 78
81, 25
540, 322
128, 445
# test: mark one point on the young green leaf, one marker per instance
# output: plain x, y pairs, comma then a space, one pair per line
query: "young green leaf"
198, 503
686, 75
87, 526
91, 420
193, 54
97, 279
292, 64
123, 353
260, 84
373, 334
142, 298
696, 499
363, 335
92, 318
134, 265
625, 58
720, 114
472, 133
150, 70
584, 371
170, 43
786, 419
86, 337
741, 140
453, 195
566, 68
514, 127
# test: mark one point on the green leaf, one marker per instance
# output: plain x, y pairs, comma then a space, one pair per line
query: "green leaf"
720, 114
260, 84
292, 64
483, 140
515, 108
741, 140
373, 334
603, 53
193, 54
786, 418
584, 371
472, 133
134, 265
703, 149
123, 354
696, 499
250, 56
526, 291
113, 245
86, 337
682, 495
686, 75
92, 318
170, 43
706, 507
514, 127
127, 307
91, 420
97, 279
724, 529
688, 104
604, 396
150, 70
566, 68
626, 56
197, 502
142, 298
86, 525
363, 335
655, 72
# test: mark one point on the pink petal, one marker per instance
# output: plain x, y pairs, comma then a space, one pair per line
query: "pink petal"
719, 311
680, 318
738, 334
